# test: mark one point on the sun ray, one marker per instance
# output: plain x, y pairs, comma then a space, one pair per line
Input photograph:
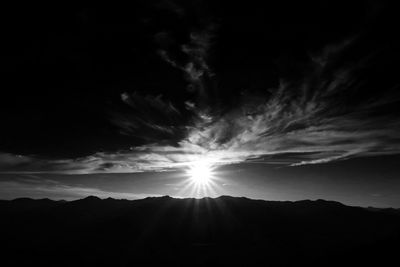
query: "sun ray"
201, 179
201, 172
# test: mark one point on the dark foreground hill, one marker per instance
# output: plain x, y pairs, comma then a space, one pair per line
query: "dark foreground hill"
188, 232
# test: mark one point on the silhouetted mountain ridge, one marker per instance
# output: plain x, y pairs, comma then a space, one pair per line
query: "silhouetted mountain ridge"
210, 231
95, 198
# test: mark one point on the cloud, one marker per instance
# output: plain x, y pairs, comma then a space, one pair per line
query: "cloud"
319, 116
7, 159
196, 69
149, 117
324, 116
38, 187
171, 6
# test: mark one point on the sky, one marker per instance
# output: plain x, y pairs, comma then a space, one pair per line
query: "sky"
285, 101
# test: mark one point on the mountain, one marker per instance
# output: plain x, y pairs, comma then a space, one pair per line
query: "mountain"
195, 232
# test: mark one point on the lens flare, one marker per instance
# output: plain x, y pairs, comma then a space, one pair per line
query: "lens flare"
201, 179
200, 172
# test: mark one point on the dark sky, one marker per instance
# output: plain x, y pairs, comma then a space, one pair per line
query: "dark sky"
286, 100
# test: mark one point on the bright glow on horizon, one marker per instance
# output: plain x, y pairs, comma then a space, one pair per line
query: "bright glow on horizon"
201, 179
200, 172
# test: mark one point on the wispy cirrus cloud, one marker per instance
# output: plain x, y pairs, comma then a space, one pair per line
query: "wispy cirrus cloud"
320, 116
324, 116
313, 116
195, 67
149, 117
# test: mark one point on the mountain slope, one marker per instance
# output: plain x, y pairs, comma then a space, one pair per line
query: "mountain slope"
191, 232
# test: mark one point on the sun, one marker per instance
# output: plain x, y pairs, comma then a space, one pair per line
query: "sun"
200, 172
202, 178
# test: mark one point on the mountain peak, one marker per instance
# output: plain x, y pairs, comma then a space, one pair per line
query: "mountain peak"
91, 198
